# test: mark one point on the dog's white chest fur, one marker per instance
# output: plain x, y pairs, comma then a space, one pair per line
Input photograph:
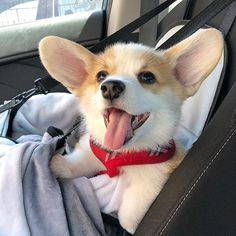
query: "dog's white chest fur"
128, 195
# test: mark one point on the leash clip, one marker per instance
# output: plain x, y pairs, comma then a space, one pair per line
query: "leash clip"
21, 98
17, 100
39, 86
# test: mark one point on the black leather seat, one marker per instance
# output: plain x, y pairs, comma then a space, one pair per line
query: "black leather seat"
199, 198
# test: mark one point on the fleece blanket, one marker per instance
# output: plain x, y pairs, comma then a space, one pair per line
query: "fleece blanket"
32, 200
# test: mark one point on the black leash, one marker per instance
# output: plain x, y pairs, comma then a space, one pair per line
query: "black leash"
20, 99
61, 141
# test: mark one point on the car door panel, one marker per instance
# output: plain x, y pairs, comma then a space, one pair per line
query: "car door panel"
19, 61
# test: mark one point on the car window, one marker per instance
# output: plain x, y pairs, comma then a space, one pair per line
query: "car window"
23, 11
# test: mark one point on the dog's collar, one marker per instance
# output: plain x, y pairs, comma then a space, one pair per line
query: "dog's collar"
114, 160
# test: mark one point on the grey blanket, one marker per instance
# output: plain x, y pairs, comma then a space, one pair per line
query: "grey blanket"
32, 200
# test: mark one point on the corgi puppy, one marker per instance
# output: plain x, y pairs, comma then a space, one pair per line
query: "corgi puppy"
131, 97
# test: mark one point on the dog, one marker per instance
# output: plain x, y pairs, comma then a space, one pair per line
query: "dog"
130, 96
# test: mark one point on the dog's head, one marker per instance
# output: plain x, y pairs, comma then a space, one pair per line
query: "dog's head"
131, 95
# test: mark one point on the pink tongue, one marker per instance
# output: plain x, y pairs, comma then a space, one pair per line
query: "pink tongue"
118, 128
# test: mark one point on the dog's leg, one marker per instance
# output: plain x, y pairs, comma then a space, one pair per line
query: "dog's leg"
144, 184
81, 162
76, 164
133, 208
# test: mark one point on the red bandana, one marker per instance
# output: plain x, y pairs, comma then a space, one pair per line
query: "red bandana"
113, 160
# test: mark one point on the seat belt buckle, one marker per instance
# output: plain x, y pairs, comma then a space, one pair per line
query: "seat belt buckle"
40, 87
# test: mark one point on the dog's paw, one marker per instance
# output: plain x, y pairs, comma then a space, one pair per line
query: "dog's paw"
134, 205
128, 223
129, 216
59, 167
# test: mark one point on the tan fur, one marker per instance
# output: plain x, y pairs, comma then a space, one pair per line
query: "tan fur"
179, 72
211, 51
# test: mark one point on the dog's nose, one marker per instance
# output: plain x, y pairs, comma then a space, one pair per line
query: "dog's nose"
112, 89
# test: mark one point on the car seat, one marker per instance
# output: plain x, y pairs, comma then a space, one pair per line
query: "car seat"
199, 198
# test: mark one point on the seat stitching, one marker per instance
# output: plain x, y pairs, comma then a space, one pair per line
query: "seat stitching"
196, 182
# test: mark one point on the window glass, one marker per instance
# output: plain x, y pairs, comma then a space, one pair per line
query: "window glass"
23, 11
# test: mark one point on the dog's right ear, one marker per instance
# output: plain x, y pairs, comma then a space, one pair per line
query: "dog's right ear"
65, 60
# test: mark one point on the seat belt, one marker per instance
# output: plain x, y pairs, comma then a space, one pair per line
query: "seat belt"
147, 32
122, 34
197, 22
228, 19
187, 10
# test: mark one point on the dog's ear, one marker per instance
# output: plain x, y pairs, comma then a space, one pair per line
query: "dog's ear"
195, 57
65, 60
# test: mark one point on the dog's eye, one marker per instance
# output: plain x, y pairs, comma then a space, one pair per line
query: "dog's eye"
101, 75
147, 77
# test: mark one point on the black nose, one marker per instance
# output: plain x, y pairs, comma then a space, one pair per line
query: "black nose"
112, 89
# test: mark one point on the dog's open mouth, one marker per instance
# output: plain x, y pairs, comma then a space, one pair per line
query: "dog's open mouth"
121, 126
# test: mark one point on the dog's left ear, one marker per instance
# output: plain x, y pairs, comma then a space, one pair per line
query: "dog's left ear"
195, 57
65, 61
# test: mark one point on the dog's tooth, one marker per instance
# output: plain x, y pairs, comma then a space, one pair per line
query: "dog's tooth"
138, 120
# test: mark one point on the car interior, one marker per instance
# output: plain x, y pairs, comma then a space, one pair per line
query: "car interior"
199, 197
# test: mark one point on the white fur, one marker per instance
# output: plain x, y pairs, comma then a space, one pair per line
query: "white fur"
155, 131
141, 184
